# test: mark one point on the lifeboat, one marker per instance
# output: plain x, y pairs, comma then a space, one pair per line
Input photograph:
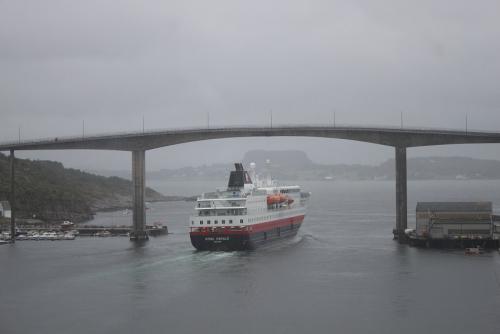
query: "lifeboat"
273, 199
278, 198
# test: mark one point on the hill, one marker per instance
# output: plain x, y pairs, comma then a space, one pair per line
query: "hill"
48, 191
279, 159
296, 165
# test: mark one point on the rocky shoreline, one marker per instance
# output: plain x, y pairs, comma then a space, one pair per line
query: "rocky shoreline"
106, 205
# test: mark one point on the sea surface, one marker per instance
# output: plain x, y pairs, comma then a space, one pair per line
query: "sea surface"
342, 273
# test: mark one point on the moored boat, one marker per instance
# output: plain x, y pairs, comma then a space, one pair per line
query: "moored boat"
474, 251
50, 236
68, 236
103, 234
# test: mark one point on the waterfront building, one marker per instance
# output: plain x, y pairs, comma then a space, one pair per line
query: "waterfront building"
454, 220
5, 210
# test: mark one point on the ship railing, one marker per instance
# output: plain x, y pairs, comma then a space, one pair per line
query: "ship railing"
221, 229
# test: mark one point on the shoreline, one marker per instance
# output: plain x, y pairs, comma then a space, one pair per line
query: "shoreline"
23, 221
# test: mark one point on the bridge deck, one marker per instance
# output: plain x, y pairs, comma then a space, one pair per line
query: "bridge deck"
402, 137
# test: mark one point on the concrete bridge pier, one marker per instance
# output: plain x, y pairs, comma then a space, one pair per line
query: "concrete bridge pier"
138, 232
401, 193
12, 196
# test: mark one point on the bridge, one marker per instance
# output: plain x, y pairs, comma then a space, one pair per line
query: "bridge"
138, 143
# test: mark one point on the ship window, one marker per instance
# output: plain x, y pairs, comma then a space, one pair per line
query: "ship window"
241, 221
208, 222
223, 221
201, 222
192, 222
230, 221
216, 222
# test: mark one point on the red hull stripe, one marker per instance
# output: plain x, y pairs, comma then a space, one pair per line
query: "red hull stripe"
262, 227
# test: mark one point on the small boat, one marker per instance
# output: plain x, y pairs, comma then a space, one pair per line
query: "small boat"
22, 237
157, 226
103, 234
49, 236
67, 223
4, 242
68, 236
473, 251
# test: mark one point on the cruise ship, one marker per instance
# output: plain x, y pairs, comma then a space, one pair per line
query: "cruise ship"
247, 214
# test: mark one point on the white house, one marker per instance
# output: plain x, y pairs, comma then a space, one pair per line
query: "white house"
5, 209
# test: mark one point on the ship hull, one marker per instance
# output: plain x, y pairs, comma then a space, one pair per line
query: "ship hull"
259, 235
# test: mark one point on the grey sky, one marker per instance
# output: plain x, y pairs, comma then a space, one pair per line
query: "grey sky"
112, 62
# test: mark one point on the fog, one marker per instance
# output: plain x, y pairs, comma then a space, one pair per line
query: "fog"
105, 66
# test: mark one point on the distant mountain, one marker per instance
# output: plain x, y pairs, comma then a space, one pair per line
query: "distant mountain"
450, 168
279, 159
48, 191
296, 165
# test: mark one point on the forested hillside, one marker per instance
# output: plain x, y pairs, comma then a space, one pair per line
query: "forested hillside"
48, 191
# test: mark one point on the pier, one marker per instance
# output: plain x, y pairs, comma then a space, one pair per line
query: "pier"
138, 143
91, 230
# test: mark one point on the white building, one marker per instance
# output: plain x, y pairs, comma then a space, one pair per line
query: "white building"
5, 209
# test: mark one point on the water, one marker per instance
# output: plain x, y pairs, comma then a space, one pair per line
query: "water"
342, 273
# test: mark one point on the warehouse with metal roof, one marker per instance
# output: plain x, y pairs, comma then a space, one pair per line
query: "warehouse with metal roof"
454, 220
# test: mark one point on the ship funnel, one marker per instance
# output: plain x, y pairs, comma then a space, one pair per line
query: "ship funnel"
239, 177
238, 166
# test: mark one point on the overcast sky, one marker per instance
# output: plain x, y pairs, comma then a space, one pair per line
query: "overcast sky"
111, 63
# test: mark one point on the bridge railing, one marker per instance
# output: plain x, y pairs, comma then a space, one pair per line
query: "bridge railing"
149, 132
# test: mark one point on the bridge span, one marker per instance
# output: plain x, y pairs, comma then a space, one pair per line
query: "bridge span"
138, 143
